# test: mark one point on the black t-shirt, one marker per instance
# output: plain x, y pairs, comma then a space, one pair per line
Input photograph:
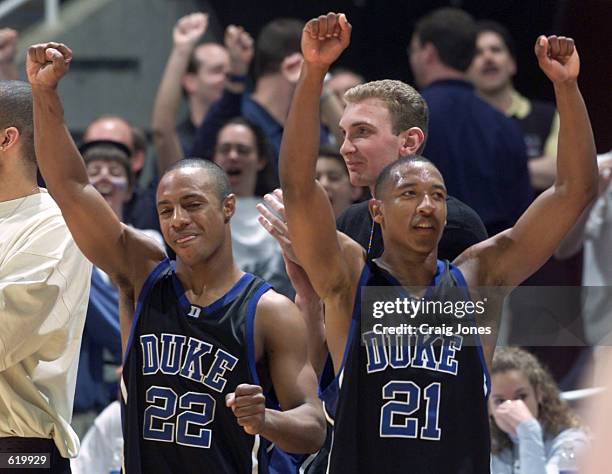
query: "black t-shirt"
464, 228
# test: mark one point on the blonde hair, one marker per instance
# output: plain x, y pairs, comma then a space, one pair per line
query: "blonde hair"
554, 414
406, 106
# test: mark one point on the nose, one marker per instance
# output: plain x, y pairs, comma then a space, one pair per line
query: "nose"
427, 205
180, 218
347, 147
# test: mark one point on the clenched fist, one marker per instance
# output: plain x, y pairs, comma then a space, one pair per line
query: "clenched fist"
558, 58
324, 38
249, 406
47, 63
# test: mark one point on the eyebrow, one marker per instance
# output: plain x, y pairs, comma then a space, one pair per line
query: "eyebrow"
414, 183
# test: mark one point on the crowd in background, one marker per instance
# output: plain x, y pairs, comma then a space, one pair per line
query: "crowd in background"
495, 147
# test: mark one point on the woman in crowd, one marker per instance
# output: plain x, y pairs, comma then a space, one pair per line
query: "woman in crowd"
533, 431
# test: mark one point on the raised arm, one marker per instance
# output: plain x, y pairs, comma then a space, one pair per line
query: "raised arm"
186, 34
310, 218
511, 256
104, 240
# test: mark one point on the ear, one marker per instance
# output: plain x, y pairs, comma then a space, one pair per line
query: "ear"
291, 67
411, 141
9, 138
512, 67
430, 53
229, 207
188, 82
375, 207
137, 161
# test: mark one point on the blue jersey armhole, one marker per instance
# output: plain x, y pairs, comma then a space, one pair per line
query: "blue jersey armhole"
485, 370
144, 292
250, 330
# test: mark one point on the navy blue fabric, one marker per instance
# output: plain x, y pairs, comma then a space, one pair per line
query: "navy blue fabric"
480, 152
101, 332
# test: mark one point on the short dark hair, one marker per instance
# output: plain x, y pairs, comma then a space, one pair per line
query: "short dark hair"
277, 40
453, 33
16, 111
387, 172
266, 177
217, 174
107, 150
486, 26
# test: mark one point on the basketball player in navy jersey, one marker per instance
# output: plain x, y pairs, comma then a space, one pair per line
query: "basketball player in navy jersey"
417, 404
206, 342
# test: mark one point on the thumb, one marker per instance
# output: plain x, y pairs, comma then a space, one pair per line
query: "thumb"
541, 48
230, 399
56, 57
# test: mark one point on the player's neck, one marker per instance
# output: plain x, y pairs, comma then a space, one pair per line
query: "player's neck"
409, 268
210, 278
501, 99
16, 185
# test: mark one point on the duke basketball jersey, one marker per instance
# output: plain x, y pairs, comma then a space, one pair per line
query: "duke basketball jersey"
418, 405
180, 363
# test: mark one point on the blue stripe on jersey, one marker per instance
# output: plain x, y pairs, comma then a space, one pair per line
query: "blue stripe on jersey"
144, 292
485, 370
250, 329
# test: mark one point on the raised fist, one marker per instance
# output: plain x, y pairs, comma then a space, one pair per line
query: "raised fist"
47, 63
558, 58
324, 38
249, 406
240, 48
189, 29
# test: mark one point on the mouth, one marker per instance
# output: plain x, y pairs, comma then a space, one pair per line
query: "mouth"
184, 239
490, 70
424, 227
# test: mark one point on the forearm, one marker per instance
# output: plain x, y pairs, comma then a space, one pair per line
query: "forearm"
312, 312
299, 148
300, 430
576, 159
58, 158
531, 447
165, 110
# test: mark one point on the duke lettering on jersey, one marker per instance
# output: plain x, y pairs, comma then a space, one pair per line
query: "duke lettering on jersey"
428, 351
174, 354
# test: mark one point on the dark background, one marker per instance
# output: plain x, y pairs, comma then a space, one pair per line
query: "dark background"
382, 30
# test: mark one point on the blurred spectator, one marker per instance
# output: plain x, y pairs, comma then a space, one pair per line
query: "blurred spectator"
593, 232
492, 70
341, 80
532, 430
278, 62
140, 211
203, 85
242, 152
8, 49
480, 152
334, 177
102, 446
109, 171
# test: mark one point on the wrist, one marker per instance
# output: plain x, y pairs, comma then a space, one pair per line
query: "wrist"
316, 68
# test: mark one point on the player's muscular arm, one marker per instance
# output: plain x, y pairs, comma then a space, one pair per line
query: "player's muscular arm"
279, 333
104, 240
511, 256
309, 215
